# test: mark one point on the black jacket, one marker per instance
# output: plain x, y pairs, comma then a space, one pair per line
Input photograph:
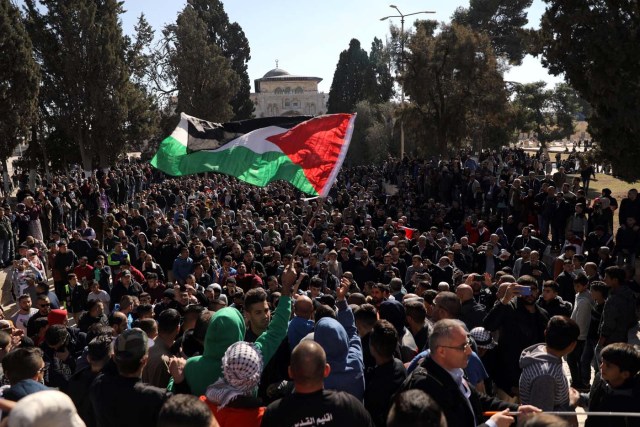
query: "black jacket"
472, 313
605, 399
440, 385
519, 329
78, 390
125, 402
381, 384
119, 290
556, 307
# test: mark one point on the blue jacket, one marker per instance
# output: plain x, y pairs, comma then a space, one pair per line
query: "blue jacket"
298, 329
23, 388
341, 343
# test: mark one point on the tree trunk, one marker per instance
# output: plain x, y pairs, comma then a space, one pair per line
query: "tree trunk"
6, 178
87, 159
45, 159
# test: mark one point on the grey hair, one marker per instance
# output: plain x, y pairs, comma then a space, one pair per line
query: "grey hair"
442, 330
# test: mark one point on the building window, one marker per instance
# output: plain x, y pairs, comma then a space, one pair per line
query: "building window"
299, 90
287, 90
295, 103
278, 91
287, 103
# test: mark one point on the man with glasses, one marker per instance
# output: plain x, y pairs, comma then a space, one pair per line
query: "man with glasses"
43, 304
25, 370
441, 376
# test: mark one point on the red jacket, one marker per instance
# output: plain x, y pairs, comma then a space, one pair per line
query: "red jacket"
232, 417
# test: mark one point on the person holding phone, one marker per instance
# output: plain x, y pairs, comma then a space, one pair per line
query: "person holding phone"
522, 323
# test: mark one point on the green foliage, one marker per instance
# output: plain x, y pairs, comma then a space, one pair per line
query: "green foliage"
457, 93
352, 80
372, 133
19, 79
380, 59
550, 113
503, 22
360, 76
197, 70
88, 96
596, 45
234, 46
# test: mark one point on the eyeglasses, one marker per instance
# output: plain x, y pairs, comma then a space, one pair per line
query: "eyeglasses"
462, 347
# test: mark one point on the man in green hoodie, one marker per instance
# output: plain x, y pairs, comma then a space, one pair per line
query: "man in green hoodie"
227, 327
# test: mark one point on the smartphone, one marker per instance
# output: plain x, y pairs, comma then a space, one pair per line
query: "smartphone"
524, 290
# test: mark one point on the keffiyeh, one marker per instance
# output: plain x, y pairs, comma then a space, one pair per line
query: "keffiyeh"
241, 370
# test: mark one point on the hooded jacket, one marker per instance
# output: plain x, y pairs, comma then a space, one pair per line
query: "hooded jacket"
340, 341
225, 328
298, 329
542, 382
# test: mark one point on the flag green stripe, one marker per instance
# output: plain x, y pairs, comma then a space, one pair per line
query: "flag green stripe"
241, 162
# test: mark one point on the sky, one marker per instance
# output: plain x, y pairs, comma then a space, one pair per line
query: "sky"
306, 37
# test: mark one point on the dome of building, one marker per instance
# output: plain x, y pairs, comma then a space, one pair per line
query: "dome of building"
276, 72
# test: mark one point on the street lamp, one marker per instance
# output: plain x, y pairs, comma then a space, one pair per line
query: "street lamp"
402, 16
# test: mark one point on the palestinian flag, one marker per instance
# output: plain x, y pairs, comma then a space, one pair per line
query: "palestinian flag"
408, 231
305, 151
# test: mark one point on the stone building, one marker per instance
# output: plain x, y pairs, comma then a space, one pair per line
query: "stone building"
279, 93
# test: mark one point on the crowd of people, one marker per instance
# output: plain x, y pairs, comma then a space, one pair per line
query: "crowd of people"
421, 292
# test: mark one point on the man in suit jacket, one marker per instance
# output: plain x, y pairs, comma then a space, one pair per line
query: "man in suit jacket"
441, 376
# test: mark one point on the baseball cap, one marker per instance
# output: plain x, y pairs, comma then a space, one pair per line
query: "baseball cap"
132, 344
126, 273
483, 338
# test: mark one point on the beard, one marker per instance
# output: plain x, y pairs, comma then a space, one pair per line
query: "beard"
528, 300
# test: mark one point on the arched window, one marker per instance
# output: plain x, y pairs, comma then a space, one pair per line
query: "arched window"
278, 91
299, 90
287, 103
287, 90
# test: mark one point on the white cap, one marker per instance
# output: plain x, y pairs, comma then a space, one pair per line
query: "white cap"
50, 408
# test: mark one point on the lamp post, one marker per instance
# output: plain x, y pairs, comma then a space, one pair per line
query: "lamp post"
402, 16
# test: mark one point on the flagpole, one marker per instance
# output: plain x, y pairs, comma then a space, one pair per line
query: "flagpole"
571, 413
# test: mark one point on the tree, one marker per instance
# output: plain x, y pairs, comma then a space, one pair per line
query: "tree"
354, 80
195, 69
380, 60
457, 94
550, 113
234, 46
595, 45
19, 81
87, 94
503, 22
144, 113
372, 133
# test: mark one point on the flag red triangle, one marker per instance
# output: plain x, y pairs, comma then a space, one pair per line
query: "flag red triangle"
318, 146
